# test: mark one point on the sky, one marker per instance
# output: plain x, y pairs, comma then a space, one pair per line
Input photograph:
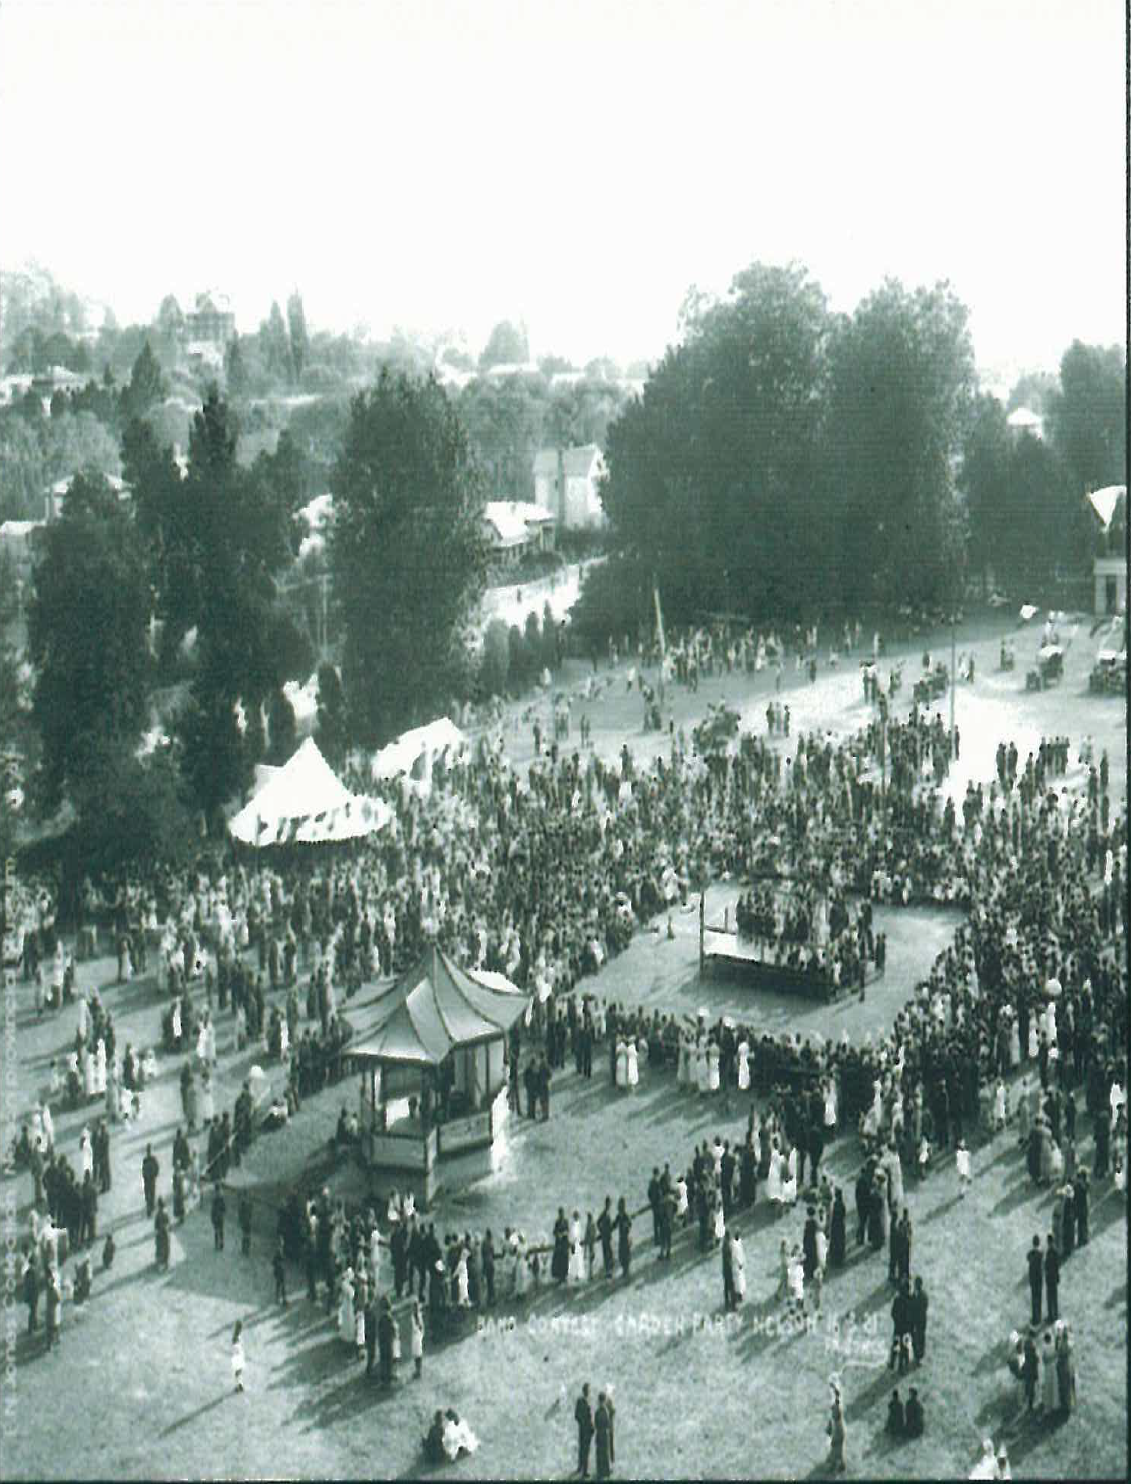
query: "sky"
444, 165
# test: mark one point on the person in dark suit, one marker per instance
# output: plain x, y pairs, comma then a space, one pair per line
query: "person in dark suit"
623, 1225
385, 1341
583, 1416
809, 1244
219, 1206
729, 1297
487, 1262
914, 1420
370, 1334
605, 1232
1036, 1275
837, 1231
1081, 1189
918, 1318
603, 1429
895, 1423
150, 1169
1052, 1278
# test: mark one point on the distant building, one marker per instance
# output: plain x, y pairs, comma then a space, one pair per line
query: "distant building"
211, 322
55, 498
1110, 576
1025, 420
566, 481
515, 528
18, 539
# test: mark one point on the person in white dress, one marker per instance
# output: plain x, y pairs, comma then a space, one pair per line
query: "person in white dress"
702, 1075
576, 1272
84, 1019
830, 1108
774, 1180
463, 1299
622, 1064
632, 1072
683, 1069
680, 1199
712, 1067
100, 1068
86, 1154
738, 1265
962, 1165
789, 1184
90, 1075
743, 1066
207, 1101
346, 1325
1001, 1107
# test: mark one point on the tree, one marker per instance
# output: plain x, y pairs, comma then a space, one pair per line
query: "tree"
506, 345
87, 635
80, 440
406, 552
23, 469
495, 663
1033, 389
275, 345
713, 487
331, 720
985, 482
901, 377
281, 727
235, 370
146, 385
300, 340
1088, 415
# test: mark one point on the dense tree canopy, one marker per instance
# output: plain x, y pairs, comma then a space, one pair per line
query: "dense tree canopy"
782, 460
506, 345
406, 552
1088, 415
87, 635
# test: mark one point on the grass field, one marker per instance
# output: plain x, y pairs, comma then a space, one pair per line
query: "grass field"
145, 1364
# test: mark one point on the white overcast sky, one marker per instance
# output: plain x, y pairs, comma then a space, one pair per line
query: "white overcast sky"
435, 163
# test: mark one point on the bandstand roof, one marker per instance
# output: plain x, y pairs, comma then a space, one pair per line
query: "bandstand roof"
437, 1007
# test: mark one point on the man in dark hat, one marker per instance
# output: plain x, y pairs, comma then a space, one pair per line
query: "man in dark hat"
583, 1416
1036, 1277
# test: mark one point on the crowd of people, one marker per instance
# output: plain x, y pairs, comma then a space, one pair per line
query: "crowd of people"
544, 878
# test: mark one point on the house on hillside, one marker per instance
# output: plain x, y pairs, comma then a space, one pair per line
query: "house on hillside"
211, 322
566, 481
18, 543
515, 528
55, 497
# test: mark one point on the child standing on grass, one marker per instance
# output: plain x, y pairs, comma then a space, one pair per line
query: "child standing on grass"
237, 1354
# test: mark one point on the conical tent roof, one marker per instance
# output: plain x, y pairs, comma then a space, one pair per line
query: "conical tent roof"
437, 1007
305, 801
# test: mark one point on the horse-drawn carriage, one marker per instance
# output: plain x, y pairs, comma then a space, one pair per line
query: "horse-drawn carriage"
1048, 670
1109, 673
933, 684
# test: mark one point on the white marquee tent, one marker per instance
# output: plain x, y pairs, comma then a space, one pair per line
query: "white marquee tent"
414, 751
305, 802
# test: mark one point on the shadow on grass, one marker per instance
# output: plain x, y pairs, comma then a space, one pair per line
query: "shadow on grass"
1020, 1195
936, 1213
194, 1416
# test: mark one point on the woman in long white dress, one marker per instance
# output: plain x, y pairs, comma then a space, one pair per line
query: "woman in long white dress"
774, 1179
622, 1064
632, 1076
702, 1076
789, 1184
1034, 1040
86, 1154
89, 1074
712, 1067
743, 1066
347, 1328
680, 1199
463, 1299
207, 1102
100, 1068
738, 1266
830, 1108
576, 1272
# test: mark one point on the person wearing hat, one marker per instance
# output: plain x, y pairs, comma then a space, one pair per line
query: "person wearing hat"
603, 1429
386, 1325
914, 1420
896, 1423
583, 1416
